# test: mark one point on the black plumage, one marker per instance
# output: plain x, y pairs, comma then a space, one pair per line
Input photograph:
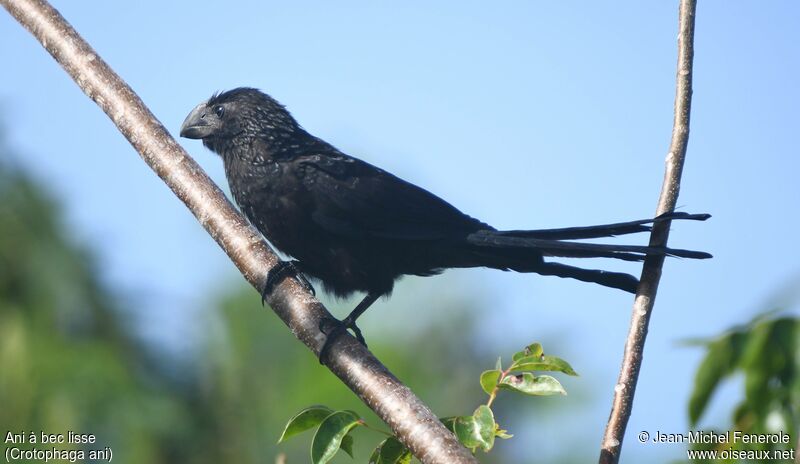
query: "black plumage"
358, 228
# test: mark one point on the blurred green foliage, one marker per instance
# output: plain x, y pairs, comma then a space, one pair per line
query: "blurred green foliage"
65, 359
766, 353
70, 361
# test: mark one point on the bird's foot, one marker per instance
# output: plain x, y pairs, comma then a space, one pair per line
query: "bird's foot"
333, 329
281, 271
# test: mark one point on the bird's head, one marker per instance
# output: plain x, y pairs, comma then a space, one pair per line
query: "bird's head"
241, 112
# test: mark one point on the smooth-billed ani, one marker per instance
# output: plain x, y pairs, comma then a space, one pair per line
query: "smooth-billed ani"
358, 228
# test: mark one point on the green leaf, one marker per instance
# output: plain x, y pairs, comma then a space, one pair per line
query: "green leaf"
477, 430
330, 434
464, 428
721, 359
489, 380
499, 364
308, 418
390, 451
529, 384
542, 363
347, 445
755, 350
534, 349
485, 426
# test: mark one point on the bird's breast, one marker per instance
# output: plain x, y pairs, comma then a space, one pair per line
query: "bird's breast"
274, 200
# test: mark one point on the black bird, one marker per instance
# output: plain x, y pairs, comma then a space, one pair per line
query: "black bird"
358, 228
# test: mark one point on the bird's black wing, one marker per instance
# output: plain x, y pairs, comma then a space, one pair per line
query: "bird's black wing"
352, 198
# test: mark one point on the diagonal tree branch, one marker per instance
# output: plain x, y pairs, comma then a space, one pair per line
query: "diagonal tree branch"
410, 419
651, 272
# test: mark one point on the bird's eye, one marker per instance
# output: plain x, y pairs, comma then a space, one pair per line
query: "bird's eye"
219, 111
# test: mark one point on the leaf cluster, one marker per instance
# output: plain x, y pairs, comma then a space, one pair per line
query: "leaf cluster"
475, 431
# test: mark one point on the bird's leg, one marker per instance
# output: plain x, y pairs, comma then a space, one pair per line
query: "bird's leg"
281, 271
349, 322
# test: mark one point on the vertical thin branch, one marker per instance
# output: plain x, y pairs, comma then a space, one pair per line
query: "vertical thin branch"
651, 272
410, 419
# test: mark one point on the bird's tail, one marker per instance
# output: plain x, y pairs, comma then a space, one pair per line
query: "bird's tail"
525, 250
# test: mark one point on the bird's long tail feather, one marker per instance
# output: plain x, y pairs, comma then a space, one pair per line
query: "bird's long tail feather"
524, 250
618, 280
604, 230
566, 249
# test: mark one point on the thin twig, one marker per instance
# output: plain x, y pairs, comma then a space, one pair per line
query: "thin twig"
651, 272
411, 420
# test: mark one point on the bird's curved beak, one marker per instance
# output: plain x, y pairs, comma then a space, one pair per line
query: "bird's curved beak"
198, 124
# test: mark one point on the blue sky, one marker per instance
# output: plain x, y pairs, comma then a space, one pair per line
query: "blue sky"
524, 114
